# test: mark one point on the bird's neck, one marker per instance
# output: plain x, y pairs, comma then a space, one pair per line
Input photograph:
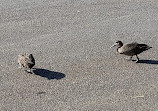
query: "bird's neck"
120, 46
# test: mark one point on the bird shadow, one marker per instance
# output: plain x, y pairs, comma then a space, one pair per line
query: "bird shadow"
48, 74
148, 62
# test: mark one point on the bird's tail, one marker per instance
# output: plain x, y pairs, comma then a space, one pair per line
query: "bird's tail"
144, 47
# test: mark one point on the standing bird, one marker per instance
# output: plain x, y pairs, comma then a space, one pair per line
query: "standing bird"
27, 61
131, 49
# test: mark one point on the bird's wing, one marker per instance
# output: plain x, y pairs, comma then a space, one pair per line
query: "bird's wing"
129, 47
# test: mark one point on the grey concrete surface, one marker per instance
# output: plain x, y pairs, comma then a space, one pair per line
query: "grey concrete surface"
75, 68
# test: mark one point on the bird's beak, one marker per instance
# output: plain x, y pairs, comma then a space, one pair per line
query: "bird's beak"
113, 46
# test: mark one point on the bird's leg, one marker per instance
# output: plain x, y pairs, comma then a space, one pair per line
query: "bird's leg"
129, 59
28, 71
137, 59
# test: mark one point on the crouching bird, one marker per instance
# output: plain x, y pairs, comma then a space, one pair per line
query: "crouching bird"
27, 61
131, 49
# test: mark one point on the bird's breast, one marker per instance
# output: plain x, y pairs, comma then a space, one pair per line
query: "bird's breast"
125, 52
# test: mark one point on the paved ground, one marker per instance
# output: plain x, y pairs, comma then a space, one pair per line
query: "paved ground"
75, 68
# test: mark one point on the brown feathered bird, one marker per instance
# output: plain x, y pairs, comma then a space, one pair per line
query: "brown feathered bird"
27, 61
131, 49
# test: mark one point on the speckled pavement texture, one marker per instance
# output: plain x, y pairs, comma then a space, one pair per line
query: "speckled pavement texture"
76, 70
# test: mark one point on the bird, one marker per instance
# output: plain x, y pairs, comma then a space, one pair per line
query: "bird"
27, 61
131, 49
